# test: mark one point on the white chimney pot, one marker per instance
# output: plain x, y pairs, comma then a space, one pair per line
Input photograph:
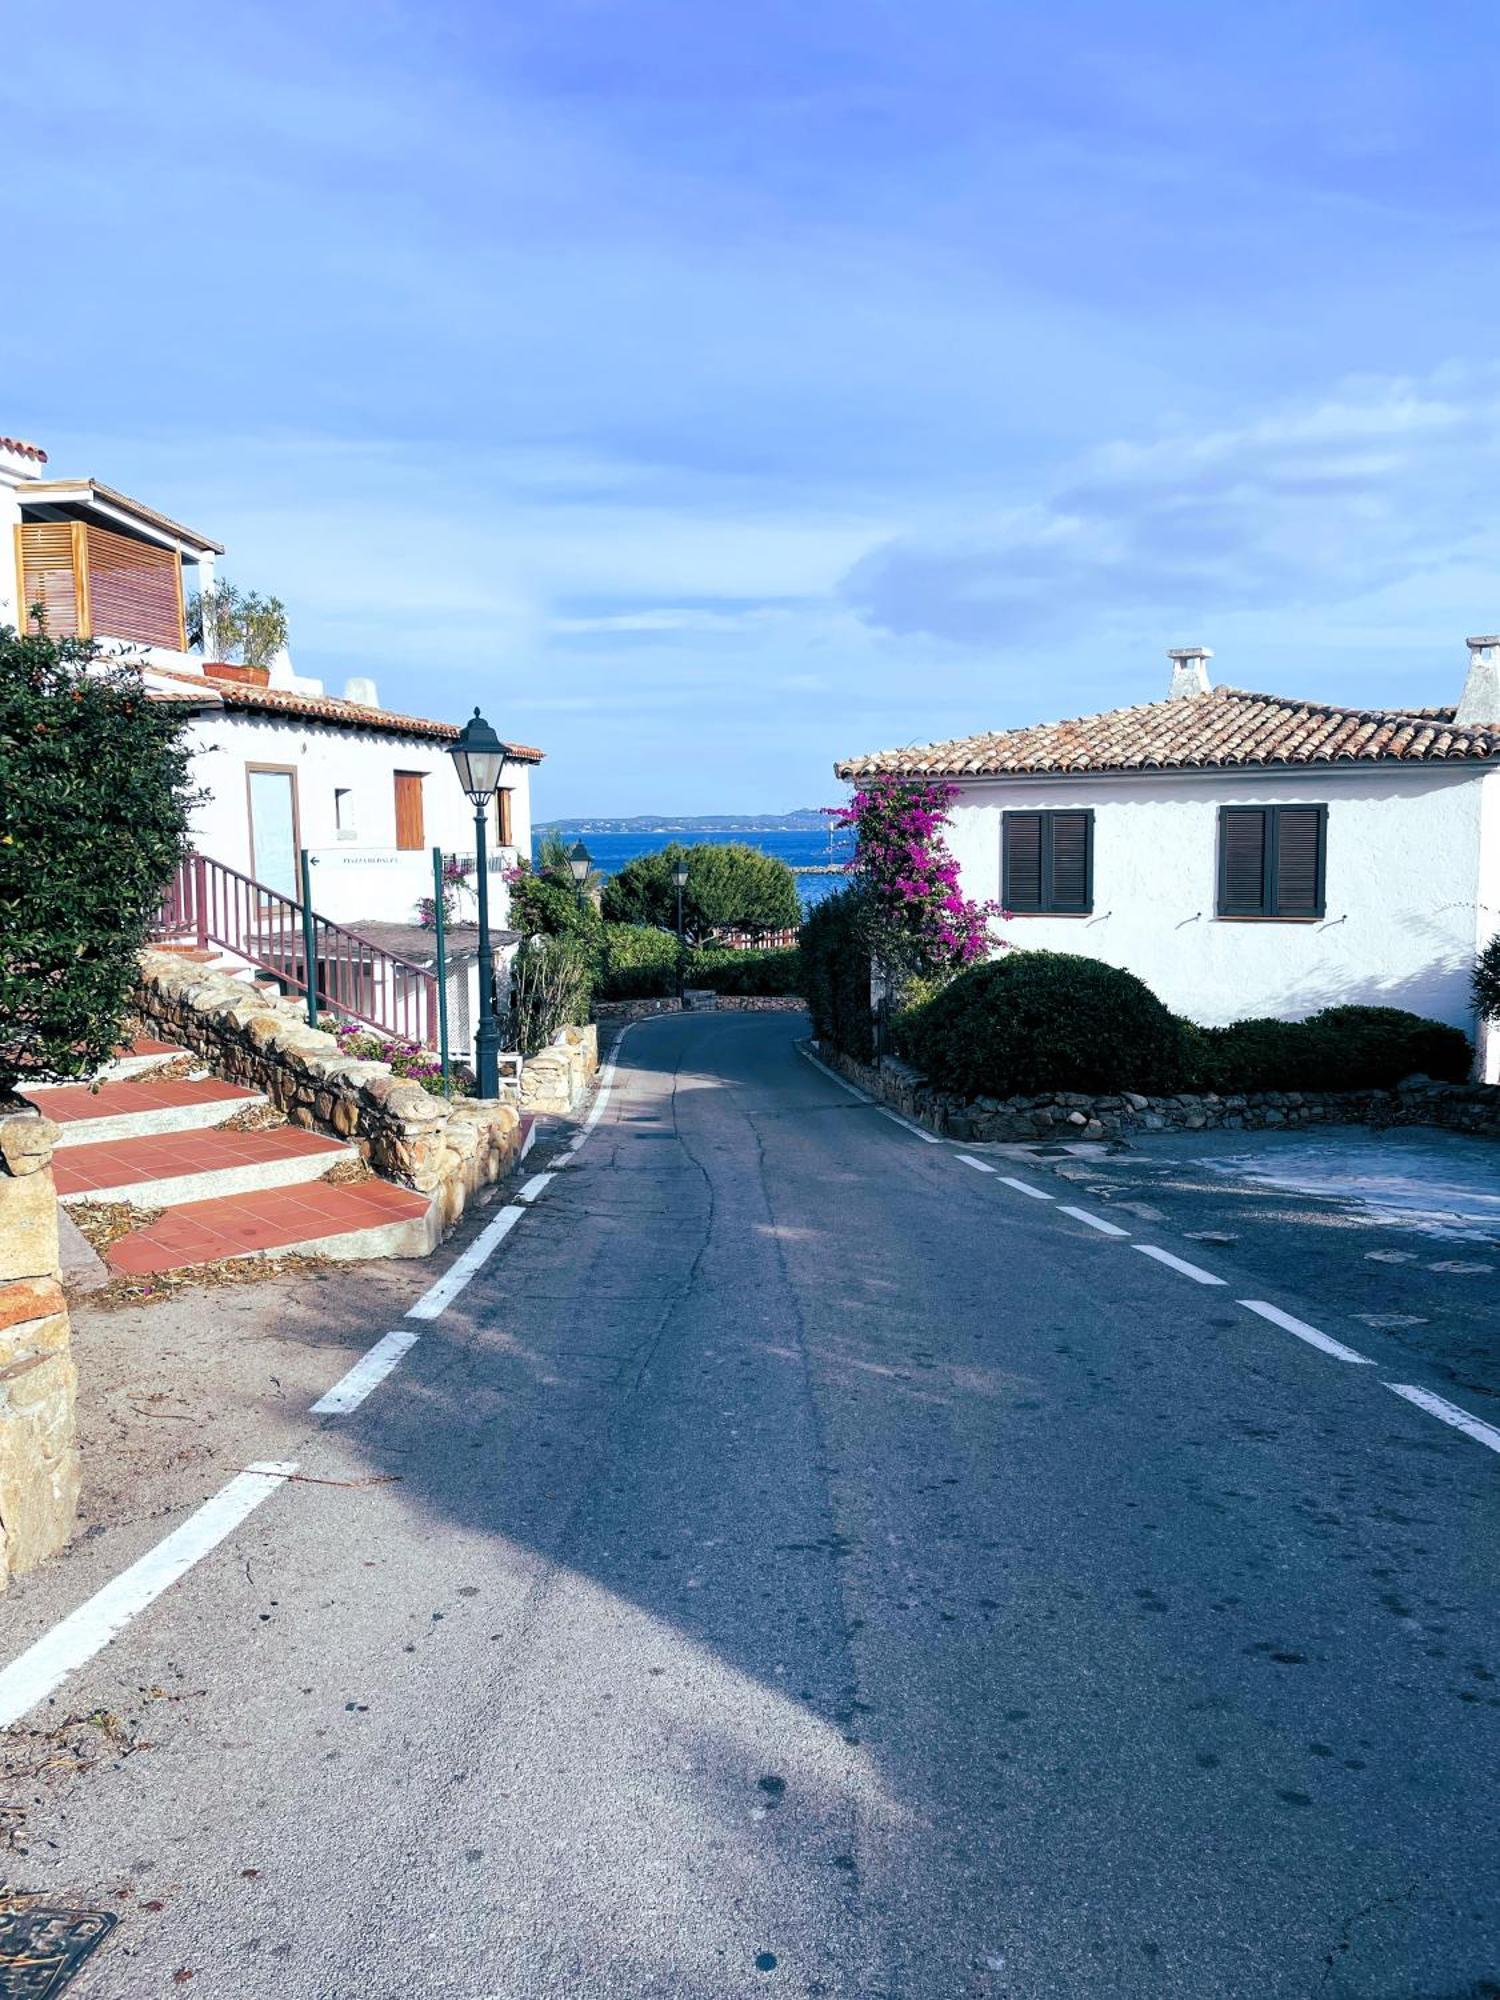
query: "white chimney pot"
1189, 671
362, 691
1479, 704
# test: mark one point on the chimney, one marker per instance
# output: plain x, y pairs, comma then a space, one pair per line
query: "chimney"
1189, 671
1479, 704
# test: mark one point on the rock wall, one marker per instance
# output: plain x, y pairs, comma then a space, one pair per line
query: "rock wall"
38, 1453
1458, 1107
557, 1078
446, 1148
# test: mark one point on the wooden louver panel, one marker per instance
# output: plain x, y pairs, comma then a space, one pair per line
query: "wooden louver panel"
1070, 861
1242, 862
1298, 861
134, 590
410, 833
49, 583
1021, 874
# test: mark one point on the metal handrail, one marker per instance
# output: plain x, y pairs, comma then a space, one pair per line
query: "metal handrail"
280, 935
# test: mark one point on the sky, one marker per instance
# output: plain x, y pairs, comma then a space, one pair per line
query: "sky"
710, 391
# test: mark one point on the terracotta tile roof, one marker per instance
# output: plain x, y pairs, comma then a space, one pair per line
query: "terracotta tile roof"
324, 708
23, 449
1221, 730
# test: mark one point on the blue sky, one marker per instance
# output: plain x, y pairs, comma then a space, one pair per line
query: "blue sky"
709, 391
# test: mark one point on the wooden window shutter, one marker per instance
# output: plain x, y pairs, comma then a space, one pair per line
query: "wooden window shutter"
49, 579
134, 590
1299, 861
503, 822
1242, 861
410, 831
1021, 861
1070, 886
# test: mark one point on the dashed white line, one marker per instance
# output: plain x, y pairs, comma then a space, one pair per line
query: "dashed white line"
979, 1166
1025, 1187
1193, 1271
463, 1268
1094, 1221
367, 1373
1305, 1332
537, 1185
89, 1629
1447, 1413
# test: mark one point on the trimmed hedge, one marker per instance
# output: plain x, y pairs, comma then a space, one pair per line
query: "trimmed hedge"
767, 973
1035, 1021
836, 973
1341, 1048
639, 962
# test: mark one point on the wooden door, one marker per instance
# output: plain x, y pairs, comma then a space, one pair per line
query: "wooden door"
410, 830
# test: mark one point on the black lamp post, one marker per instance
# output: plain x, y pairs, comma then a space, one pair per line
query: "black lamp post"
580, 861
479, 759
679, 883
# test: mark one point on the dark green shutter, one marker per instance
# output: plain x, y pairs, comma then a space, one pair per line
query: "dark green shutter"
1070, 887
1021, 850
1242, 861
1298, 868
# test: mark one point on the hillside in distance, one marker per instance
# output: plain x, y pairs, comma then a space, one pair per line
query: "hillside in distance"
806, 820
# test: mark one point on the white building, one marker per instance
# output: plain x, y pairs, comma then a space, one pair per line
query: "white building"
1244, 854
283, 766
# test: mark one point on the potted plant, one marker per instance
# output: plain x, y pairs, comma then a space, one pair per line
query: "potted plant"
240, 632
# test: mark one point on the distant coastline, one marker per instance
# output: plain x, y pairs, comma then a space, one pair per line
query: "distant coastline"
807, 820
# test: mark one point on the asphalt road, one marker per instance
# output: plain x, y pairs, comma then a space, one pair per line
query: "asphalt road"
802, 1563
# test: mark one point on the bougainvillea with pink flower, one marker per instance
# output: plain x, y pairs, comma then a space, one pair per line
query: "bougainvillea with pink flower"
920, 919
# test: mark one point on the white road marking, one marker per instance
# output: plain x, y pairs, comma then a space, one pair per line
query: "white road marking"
86, 1631
906, 1125
1305, 1332
463, 1268
1448, 1413
833, 1075
979, 1166
350, 1390
1193, 1271
1025, 1187
1094, 1221
537, 1185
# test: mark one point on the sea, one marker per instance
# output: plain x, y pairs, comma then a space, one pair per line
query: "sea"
611, 851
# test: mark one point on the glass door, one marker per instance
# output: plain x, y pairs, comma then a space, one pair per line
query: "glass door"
273, 827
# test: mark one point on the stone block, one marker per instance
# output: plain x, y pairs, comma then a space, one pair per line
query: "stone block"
28, 1300
26, 1142
28, 1227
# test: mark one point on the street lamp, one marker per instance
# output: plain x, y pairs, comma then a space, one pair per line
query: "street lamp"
580, 861
679, 883
479, 759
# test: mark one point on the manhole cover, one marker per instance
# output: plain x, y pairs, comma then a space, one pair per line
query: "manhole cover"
41, 1949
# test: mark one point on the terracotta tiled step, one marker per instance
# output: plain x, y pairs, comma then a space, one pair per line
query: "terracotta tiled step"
364, 1219
170, 1168
141, 1105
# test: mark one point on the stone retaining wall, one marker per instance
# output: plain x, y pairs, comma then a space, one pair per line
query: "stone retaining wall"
1458, 1107
722, 1003
556, 1079
446, 1148
38, 1454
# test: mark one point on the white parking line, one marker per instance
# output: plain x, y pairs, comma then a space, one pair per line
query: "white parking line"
1094, 1221
463, 1268
350, 1390
979, 1166
1448, 1413
906, 1125
1305, 1332
89, 1629
537, 1185
1193, 1271
1025, 1187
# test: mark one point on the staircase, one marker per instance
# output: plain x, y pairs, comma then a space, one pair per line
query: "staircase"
228, 1176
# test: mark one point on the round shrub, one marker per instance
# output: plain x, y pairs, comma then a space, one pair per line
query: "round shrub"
1036, 1021
1358, 1048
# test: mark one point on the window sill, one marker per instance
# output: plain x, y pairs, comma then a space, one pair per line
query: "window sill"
1061, 916
1220, 919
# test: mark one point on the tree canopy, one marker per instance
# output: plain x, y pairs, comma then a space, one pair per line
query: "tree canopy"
729, 886
94, 804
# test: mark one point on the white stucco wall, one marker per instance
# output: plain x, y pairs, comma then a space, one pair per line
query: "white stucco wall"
1407, 899
363, 876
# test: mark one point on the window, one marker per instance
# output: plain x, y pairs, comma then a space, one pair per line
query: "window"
410, 831
504, 834
1047, 862
1271, 860
343, 821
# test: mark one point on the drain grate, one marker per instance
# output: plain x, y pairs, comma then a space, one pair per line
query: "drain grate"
42, 1949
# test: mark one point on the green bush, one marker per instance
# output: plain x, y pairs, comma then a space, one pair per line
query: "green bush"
637, 962
551, 980
728, 885
1036, 1021
763, 973
1341, 1048
1486, 986
835, 973
541, 906
94, 804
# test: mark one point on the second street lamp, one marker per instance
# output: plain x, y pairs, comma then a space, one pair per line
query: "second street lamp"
679, 883
580, 861
479, 759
